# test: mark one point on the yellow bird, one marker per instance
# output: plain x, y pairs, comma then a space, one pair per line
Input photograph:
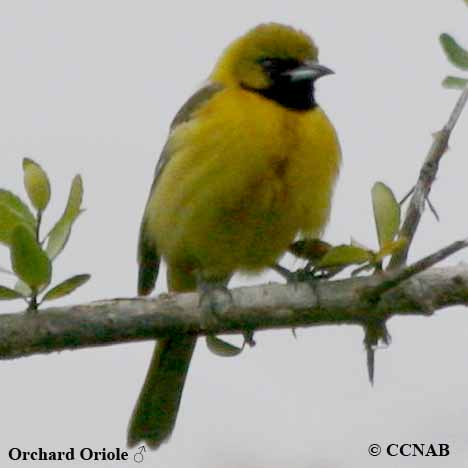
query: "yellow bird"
249, 165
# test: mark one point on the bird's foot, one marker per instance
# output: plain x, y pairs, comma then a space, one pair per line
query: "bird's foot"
215, 299
298, 276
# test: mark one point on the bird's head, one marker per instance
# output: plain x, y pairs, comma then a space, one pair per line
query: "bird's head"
276, 61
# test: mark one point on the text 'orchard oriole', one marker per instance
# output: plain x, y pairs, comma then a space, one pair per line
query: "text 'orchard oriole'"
250, 163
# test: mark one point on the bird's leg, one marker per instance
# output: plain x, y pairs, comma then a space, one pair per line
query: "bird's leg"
215, 298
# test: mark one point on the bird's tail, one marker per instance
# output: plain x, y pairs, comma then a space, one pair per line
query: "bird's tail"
156, 410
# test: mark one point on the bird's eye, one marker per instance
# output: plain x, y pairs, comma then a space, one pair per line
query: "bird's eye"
266, 62
275, 66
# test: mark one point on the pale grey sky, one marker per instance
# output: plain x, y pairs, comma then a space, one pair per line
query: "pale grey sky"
90, 87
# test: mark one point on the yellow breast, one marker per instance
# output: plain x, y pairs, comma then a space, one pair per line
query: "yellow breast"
244, 178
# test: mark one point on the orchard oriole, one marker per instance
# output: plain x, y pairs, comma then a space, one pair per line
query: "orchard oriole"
250, 163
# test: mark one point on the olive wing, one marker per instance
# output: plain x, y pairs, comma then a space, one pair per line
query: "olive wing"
148, 256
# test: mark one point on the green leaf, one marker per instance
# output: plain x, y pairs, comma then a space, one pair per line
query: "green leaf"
14, 203
12, 213
7, 294
75, 197
222, 348
343, 255
23, 288
455, 53
386, 213
66, 287
454, 82
36, 183
390, 248
8, 221
60, 233
29, 261
58, 237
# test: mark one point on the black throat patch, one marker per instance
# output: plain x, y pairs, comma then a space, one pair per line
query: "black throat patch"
292, 94
298, 95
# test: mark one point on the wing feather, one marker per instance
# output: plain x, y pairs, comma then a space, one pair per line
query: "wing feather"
148, 256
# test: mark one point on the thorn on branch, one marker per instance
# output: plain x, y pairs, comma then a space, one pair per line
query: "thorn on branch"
432, 208
402, 201
375, 332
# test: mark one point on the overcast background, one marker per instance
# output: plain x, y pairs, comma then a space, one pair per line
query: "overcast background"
90, 87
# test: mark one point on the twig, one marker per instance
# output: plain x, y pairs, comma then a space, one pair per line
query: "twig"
424, 183
282, 271
395, 279
256, 308
432, 208
402, 201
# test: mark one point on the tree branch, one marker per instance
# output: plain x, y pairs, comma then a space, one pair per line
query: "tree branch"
426, 178
256, 308
413, 290
394, 278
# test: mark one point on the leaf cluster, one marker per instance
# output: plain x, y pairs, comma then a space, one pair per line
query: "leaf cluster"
20, 230
457, 56
327, 260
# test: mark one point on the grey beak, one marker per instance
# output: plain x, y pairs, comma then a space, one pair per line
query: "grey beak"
309, 71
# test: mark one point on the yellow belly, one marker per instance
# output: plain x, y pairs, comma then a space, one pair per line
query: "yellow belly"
244, 178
